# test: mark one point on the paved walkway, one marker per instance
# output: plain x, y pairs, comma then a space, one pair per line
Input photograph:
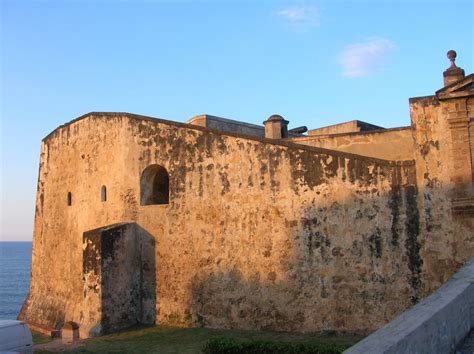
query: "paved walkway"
468, 344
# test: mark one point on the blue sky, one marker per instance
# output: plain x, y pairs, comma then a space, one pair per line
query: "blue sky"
314, 62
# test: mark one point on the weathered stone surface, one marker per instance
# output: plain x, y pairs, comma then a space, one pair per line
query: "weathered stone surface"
256, 234
228, 125
343, 128
119, 289
252, 236
447, 236
389, 144
436, 325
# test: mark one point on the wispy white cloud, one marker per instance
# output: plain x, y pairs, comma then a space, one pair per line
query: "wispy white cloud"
301, 16
365, 58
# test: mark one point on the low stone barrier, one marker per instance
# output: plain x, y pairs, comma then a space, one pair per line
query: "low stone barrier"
435, 325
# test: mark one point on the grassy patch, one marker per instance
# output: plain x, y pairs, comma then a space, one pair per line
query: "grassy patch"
164, 339
39, 338
233, 346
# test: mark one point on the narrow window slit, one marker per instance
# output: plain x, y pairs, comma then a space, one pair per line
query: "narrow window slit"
103, 194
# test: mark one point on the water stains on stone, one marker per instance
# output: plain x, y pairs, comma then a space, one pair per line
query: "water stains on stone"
225, 182
395, 203
412, 244
375, 244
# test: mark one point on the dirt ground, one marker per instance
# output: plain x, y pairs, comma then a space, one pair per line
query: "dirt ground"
57, 345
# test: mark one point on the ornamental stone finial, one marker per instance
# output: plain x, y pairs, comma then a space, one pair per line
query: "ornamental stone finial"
453, 73
452, 57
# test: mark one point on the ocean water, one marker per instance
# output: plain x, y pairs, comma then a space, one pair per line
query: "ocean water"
15, 262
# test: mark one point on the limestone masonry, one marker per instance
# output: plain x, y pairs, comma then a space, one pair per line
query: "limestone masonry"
219, 223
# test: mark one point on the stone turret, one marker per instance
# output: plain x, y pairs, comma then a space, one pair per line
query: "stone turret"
276, 127
453, 73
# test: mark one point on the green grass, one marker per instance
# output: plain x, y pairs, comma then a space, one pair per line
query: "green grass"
39, 338
233, 346
164, 339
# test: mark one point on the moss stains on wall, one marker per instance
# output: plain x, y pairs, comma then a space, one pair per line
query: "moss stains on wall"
257, 234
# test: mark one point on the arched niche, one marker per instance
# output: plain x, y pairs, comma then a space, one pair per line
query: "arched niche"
154, 186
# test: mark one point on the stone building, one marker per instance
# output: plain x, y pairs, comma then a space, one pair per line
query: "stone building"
226, 224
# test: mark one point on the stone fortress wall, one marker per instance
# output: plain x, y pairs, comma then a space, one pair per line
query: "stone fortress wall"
256, 233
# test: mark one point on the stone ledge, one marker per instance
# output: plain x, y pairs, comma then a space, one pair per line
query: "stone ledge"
435, 325
50, 332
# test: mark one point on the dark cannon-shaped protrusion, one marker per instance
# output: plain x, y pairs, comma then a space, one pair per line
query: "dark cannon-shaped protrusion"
299, 130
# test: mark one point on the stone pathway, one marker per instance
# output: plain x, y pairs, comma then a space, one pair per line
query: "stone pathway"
467, 346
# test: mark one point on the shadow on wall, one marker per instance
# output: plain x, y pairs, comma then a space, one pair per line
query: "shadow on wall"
321, 273
119, 277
